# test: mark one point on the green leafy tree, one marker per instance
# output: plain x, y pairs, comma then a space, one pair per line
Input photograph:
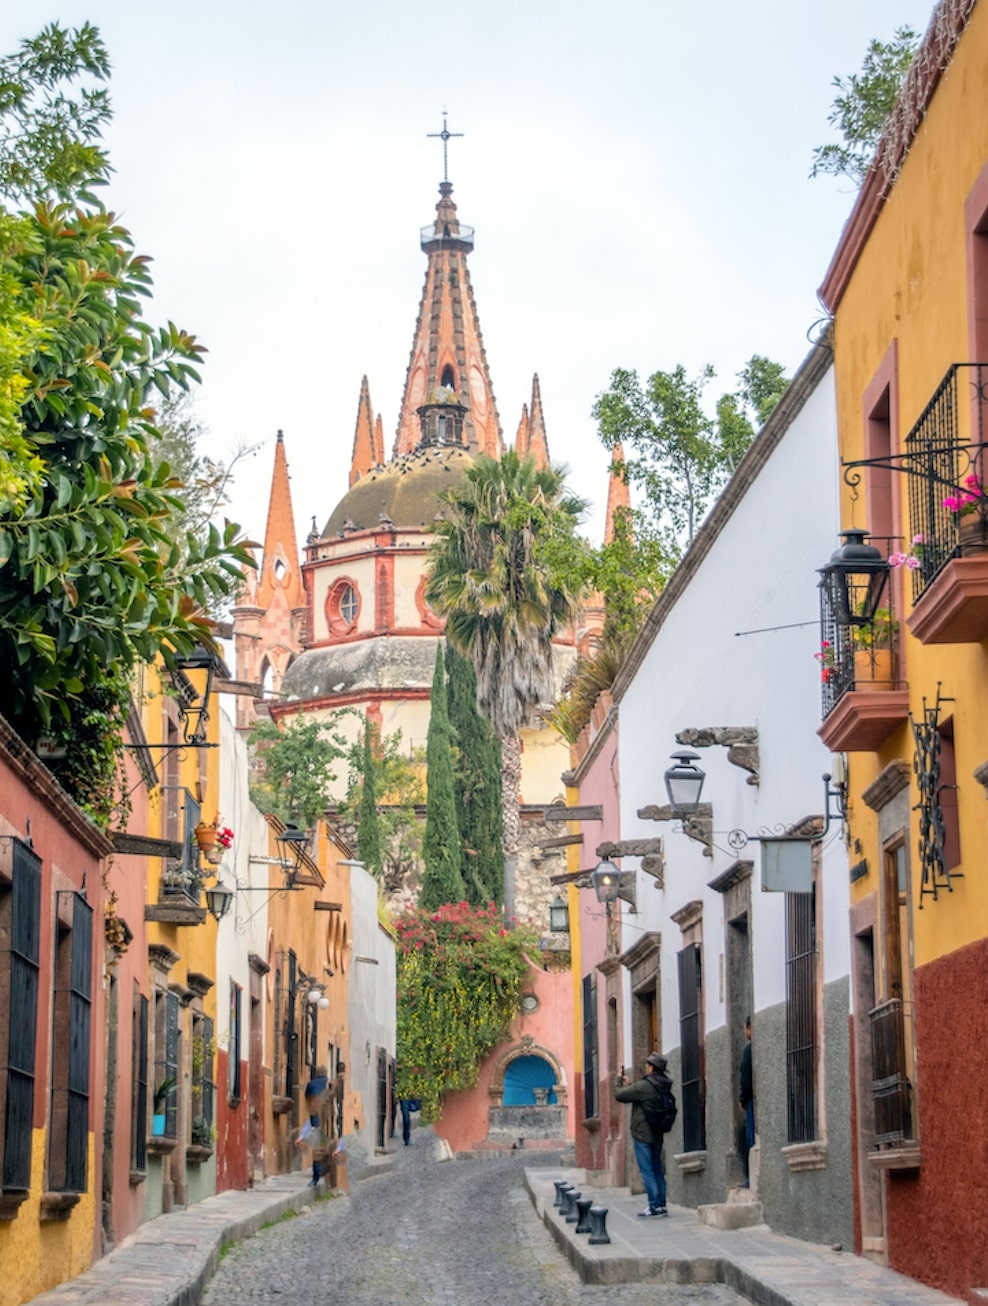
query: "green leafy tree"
496, 573
399, 783
50, 121
368, 826
460, 977
296, 766
478, 785
862, 106
441, 879
742, 414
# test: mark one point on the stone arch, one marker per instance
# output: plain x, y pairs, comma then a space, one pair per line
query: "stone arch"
527, 1047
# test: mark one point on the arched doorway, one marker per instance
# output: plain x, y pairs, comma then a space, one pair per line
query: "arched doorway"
526, 1079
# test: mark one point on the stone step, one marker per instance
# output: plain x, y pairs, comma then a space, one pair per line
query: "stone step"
731, 1215
740, 1196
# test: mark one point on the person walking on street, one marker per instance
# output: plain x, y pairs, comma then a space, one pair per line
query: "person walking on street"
653, 1112
746, 1099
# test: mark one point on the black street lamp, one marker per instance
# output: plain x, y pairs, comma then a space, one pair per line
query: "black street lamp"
292, 841
854, 580
606, 882
558, 916
218, 900
684, 782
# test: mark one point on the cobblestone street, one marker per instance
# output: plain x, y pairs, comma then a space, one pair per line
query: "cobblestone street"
455, 1233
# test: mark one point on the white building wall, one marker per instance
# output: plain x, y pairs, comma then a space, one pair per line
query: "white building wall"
737, 649
372, 999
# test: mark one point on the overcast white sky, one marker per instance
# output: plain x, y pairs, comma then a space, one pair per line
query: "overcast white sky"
637, 174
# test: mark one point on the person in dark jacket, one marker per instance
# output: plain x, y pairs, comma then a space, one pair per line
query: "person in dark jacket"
746, 1099
648, 1144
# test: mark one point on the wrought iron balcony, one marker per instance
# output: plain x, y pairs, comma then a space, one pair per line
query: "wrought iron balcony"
891, 1087
944, 460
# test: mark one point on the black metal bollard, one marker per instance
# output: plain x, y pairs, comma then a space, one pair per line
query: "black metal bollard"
583, 1211
571, 1201
598, 1225
559, 1185
565, 1195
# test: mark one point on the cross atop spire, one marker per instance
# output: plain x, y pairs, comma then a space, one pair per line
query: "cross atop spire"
445, 136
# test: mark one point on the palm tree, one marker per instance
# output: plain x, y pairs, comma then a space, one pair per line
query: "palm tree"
502, 573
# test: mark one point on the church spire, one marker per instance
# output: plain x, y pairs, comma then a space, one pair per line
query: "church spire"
368, 440
280, 569
618, 493
531, 442
447, 348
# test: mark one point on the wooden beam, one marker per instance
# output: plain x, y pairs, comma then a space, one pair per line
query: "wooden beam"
327, 906
560, 813
630, 848
581, 879
244, 688
142, 845
564, 841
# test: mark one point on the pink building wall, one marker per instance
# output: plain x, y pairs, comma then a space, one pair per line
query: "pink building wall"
550, 1028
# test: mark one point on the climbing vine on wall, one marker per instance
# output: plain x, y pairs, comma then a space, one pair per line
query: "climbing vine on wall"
460, 974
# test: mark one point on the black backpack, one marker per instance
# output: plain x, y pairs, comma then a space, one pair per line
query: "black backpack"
660, 1110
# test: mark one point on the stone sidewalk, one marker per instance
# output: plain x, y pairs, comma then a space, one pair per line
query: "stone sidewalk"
765, 1267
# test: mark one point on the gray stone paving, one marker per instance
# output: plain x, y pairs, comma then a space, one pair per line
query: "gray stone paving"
430, 1233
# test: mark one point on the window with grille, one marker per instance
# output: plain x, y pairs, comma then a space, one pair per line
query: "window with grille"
203, 1086
71, 1037
20, 936
139, 1074
166, 1012
801, 1016
591, 1055
691, 1047
234, 1074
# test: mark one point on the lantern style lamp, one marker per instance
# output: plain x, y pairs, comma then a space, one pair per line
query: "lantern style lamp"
291, 846
558, 916
192, 678
218, 900
606, 881
684, 782
854, 580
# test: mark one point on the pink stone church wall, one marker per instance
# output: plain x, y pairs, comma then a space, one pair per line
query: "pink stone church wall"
464, 1120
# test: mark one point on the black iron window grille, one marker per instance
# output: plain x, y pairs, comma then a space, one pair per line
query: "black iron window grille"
937, 874
71, 1023
945, 459
182, 814
801, 1022
139, 1101
234, 1072
691, 1044
591, 1070
853, 657
891, 1089
20, 937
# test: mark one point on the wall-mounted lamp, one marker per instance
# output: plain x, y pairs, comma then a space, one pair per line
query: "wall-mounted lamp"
606, 879
218, 900
558, 916
684, 782
192, 678
317, 998
854, 580
291, 845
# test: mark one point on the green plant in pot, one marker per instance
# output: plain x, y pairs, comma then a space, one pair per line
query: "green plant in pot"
879, 633
874, 652
160, 1099
202, 1131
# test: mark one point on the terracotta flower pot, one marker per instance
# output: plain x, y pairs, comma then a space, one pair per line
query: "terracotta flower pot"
874, 669
206, 836
973, 531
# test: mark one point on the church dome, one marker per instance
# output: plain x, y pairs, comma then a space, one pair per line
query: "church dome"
397, 664
405, 491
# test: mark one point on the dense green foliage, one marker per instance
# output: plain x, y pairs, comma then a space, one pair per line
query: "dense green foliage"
501, 573
460, 976
296, 767
477, 778
862, 106
368, 825
399, 789
442, 882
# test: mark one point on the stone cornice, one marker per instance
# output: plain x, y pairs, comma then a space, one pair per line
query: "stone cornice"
735, 874
892, 781
644, 947
795, 396
15, 752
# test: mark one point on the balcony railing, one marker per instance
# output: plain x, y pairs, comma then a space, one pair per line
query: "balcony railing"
855, 657
891, 1088
943, 450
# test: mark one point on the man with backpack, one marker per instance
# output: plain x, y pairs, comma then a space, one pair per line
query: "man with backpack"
653, 1113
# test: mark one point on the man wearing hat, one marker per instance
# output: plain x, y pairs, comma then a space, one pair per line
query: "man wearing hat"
647, 1141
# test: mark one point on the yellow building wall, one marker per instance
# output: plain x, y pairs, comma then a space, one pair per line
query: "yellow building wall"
910, 286
38, 1256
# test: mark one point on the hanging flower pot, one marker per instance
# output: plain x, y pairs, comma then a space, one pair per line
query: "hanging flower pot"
213, 854
206, 837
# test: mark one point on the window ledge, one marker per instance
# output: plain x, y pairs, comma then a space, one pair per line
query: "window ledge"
896, 1158
160, 1146
57, 1206
280, 1106
10, 1204
691, 1162
196, 1153
137, 1177
591, 1124
806, 1156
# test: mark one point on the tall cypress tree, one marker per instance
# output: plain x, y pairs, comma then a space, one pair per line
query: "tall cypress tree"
478, 785
368, 826
441, 879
